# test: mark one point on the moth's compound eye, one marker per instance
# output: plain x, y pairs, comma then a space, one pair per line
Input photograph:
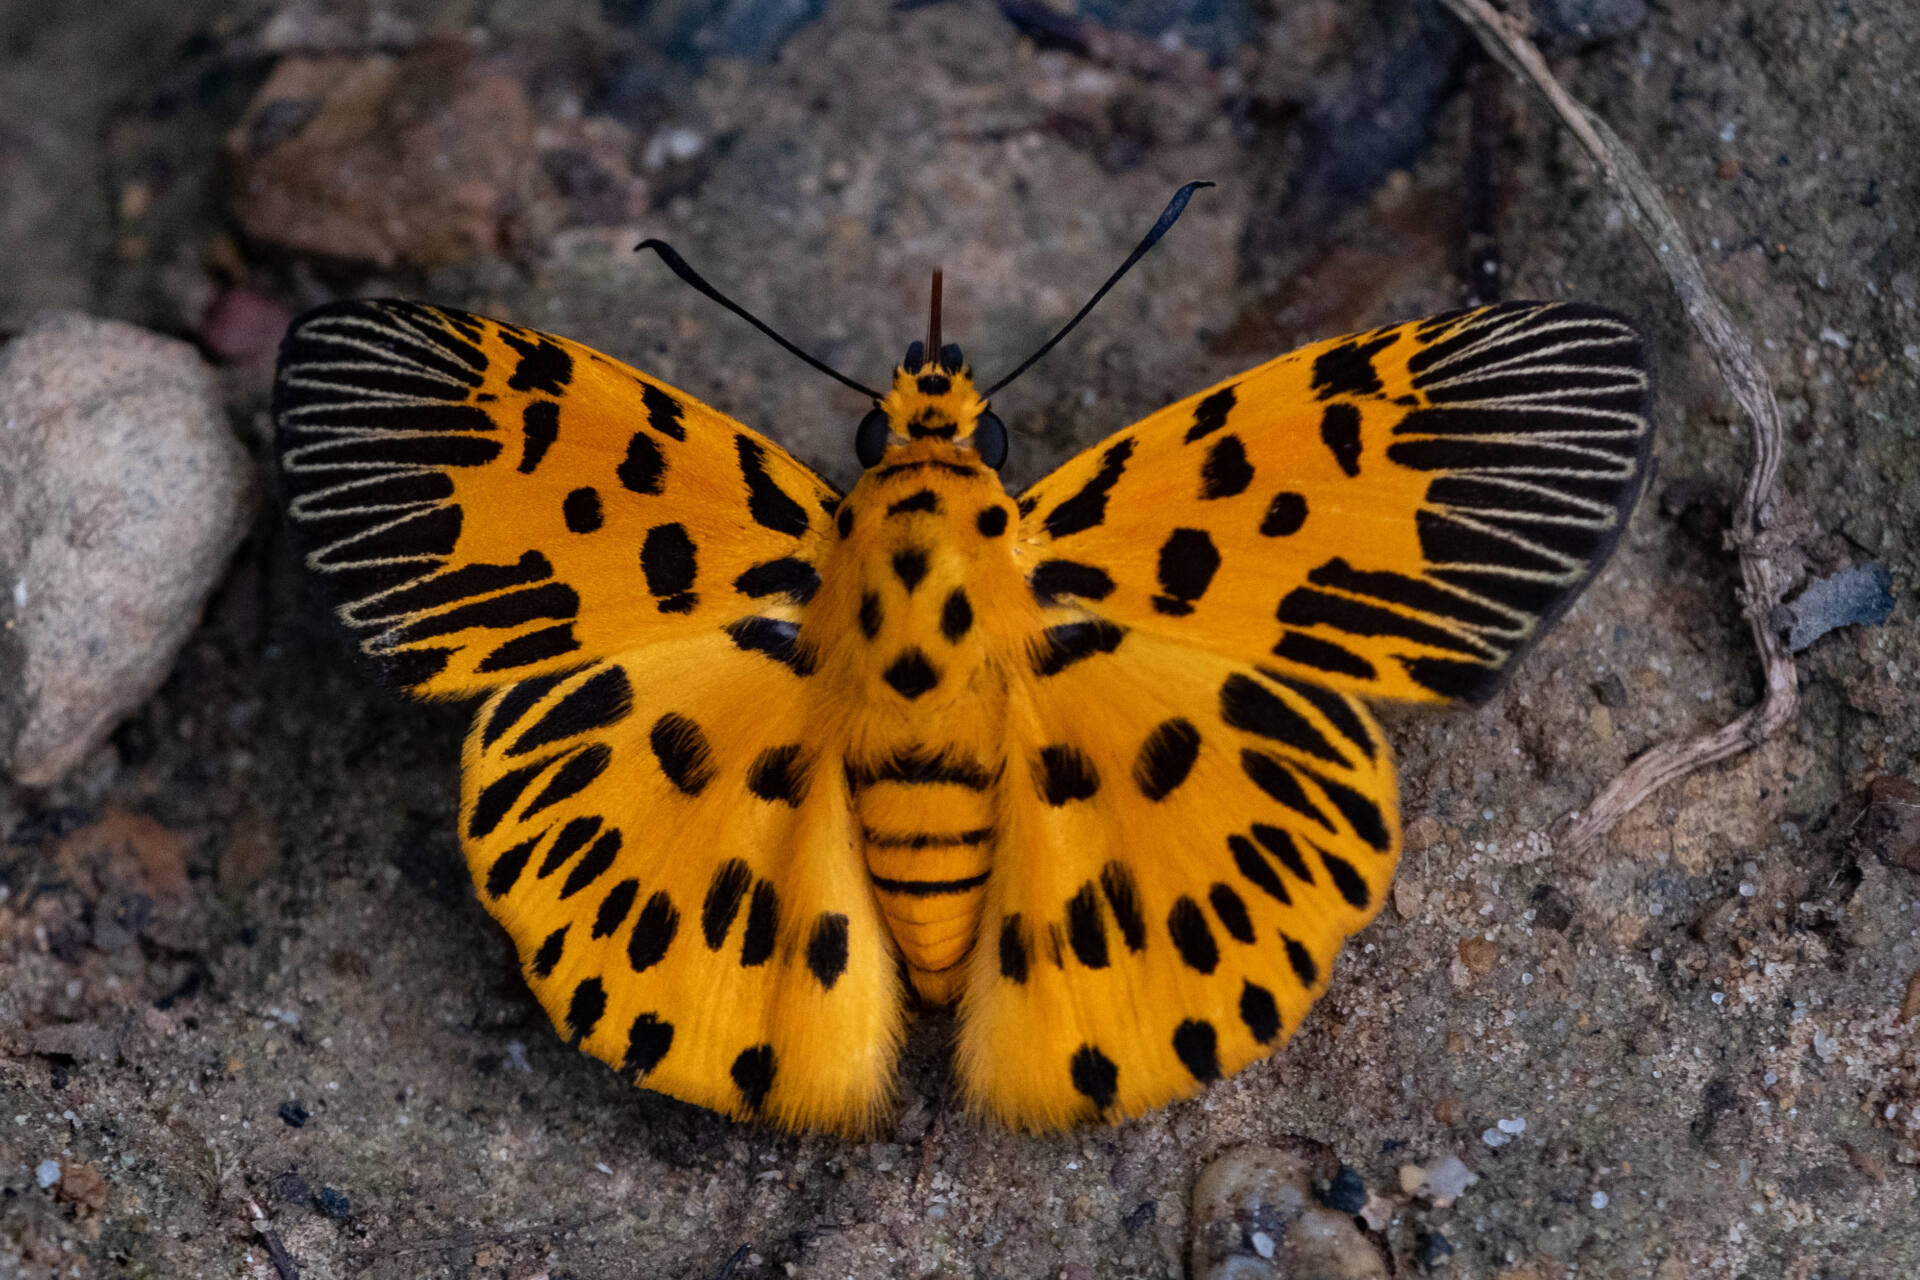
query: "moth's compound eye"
950, 358
870, 441
990, 440
916, 357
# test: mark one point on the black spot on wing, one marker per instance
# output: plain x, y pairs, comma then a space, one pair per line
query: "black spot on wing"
1310, 606
725, 893
843, 522
498, 796
1361, 813
1061, 646
992, 521
1231, 908
1165, 758
1302, 961
543, 365
1278, 781
1347, 370
778, 774
592, 865
1226, 473
1122, 892
506, 869
763, 926
1087, 928
827, 948
1248, 705
1350, 883
1087, 509
670, 561
775, 638
547, 958
644, 468
1323, 655
870, 614
1285, 514
614, 908
770, 506
1188, 561
663, 411
753, 1073
514, 705
581, 510
1192, 938
540, 423
1196, 1044
571, 778
1337, 711
603, 699
1056, 578
1065, 774
1094, 1076
684, 754
531, 648
1013, 949
1254, 866
1340, 432
647, 1044
503, 612
653, 933
1211, 414
1277, 842
788, 576
1259, 1012
589, 1001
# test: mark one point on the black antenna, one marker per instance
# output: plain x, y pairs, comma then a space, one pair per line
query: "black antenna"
933, 316
1168, 216
678, 265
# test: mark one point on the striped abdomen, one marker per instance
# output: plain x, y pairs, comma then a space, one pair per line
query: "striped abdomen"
926, 821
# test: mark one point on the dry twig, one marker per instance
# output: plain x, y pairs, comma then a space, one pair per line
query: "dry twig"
1753, 518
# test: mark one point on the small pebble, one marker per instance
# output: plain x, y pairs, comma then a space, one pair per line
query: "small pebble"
47, 1172
332, 1203
1449, 1178
1599, 1200
1347, 1193
293, 1113
1516, 1125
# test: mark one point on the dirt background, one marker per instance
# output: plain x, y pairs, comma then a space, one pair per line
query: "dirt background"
244, 977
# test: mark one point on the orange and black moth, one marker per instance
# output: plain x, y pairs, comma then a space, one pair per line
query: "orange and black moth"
761, 766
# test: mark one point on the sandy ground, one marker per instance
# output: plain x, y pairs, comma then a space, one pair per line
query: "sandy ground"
1680, 1055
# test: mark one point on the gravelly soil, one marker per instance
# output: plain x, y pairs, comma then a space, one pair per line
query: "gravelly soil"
1698, 1023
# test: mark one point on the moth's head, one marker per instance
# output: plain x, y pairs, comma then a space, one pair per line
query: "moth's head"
932, 399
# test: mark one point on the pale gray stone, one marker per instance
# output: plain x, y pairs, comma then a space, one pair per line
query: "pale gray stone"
122, 495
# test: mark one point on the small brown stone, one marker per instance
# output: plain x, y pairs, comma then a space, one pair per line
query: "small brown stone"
1728, 169
1479, 955
417, 159
1910, 1006
1447, 1111
82, 1187
1890, 825
1423, 833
